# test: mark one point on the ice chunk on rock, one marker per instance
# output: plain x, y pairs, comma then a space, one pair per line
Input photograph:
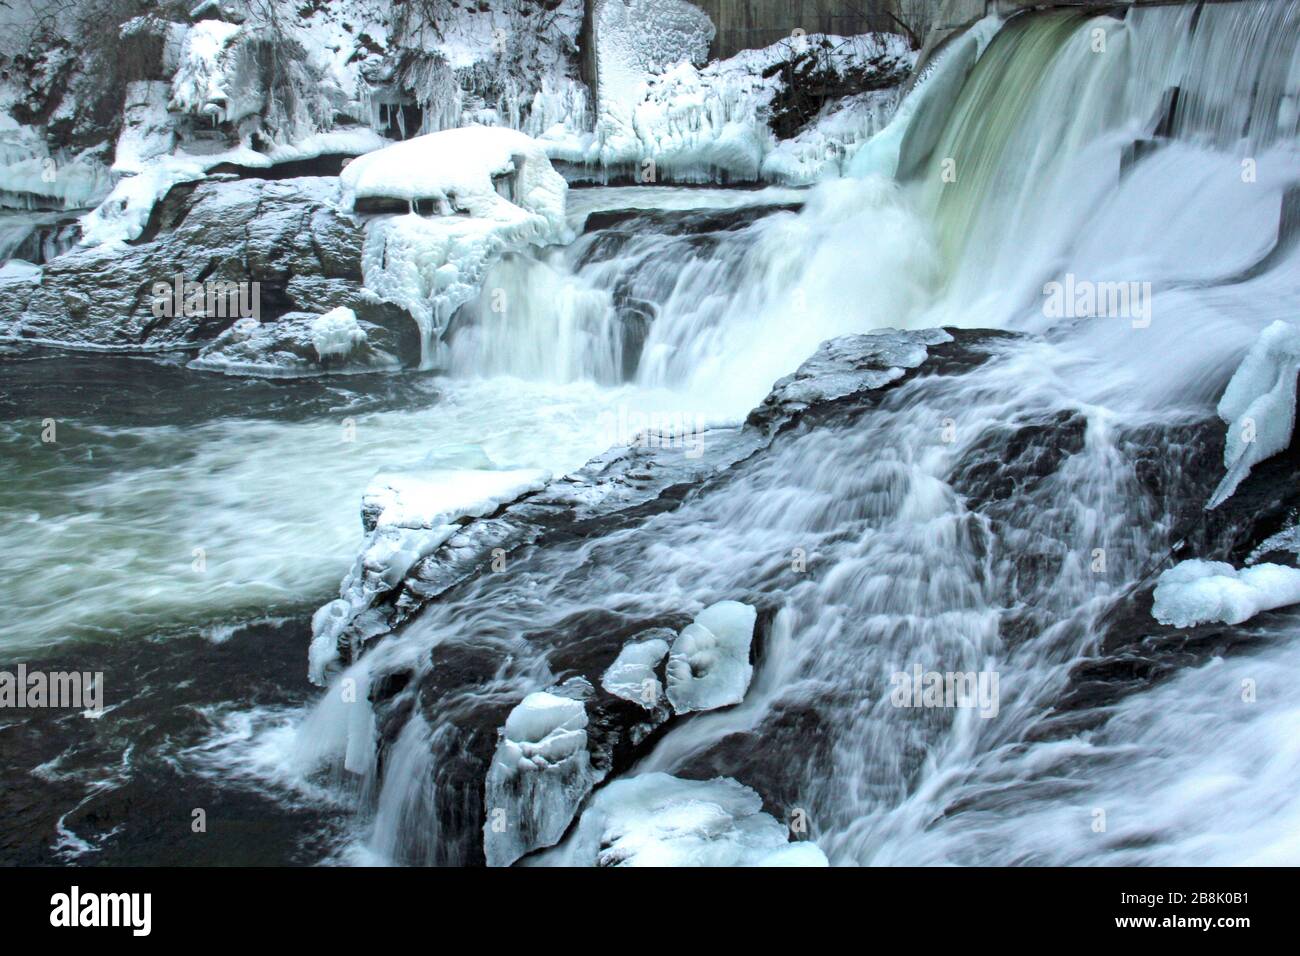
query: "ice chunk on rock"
540, 774
1259, 405
336, 333
632, 675
660, 820
709, 664
1198, 592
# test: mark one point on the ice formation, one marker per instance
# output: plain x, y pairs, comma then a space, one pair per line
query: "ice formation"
407, 515
539, 776
147, 129
931, 96
1259, 405
30, 177
682, 120
204, 82
336, 333
487, 190
633, 676
1199, 592
659, 820
709, 663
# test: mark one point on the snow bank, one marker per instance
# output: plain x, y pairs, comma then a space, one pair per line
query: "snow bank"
1259, 405
540, 774
633, 676
488, 190
660, 820
407, 515
1198, 592
709, 664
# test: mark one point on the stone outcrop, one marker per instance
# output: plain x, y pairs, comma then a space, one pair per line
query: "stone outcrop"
288, 236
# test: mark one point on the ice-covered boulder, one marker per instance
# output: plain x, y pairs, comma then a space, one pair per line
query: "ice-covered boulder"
470, 195
407, 515
1199, 592
1259, 405
336, 334
659, 820
288, 236
709, 664
634, 674
298, 343
540, 774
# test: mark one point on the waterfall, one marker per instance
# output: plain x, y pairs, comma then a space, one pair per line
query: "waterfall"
1158, 150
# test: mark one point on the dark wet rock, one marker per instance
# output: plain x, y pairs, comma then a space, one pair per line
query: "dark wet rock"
1011, 460
682, 222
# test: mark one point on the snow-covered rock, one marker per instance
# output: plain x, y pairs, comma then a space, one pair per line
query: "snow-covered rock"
1199, 592
286, 235
634, 674
827, 146
709, 664
659, 820
296, 344
205, 82
1259, 405
540, 774
487, 191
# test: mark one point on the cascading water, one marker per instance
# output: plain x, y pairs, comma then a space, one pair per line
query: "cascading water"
1157, 148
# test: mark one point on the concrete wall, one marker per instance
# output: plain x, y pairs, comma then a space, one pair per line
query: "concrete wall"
748, 24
